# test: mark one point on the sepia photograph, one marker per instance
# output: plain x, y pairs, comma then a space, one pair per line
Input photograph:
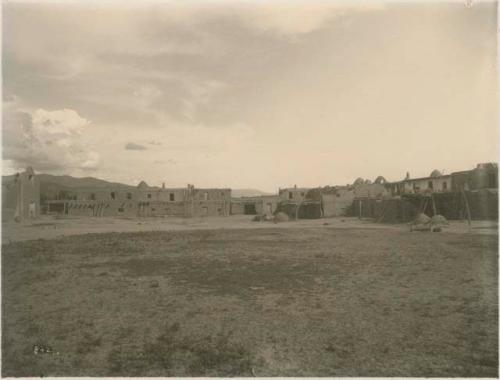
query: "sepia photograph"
249, 188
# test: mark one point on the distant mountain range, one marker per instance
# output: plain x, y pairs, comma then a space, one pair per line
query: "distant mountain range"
52, 184
69, 182
238, 193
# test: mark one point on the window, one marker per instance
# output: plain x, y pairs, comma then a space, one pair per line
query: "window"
337, 195
113, 195
172, 196
205, 196
149, 196
430, 185
92, 197
129, 195
290, 195
445, 185
121, 209
302, 194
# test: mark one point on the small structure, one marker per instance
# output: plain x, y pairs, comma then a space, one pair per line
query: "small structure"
21, 196
258, 205
293, 194
319, 202
336, 200
423, 223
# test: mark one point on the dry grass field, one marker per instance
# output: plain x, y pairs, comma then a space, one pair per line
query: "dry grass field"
252, 302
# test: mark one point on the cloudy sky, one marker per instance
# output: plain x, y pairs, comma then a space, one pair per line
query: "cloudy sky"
248, 94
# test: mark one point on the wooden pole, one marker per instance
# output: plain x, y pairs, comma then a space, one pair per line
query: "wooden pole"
467, 209
321, 205
458, 205
423, 205
433, 205
360, 208
382, 214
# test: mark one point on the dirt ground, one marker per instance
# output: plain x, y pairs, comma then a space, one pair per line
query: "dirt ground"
303, 299
48, 227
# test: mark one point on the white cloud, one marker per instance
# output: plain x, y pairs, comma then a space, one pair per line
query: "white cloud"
65, 122
301, 17
47, 140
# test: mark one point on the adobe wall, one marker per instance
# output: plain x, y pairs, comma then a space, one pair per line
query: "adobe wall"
9, 200
27, 196
297, 194
478, 178
237, 207
209, 208
264, 204
160, 208
105, 195
267, 204
373, 190
338, 203
93, 208
483, 205
160, 195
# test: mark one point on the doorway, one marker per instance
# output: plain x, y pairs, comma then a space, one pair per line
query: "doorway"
250, 209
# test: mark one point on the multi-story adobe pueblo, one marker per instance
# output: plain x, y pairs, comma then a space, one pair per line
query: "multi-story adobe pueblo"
21, 197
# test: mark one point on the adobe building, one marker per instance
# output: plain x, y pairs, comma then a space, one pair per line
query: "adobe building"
144, 201
483, 176
319, 202
258, 205
293, 194
21, 196
436, 182
205, 202
473, 192
337, 201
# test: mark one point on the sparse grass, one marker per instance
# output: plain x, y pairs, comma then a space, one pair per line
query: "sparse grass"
273, 302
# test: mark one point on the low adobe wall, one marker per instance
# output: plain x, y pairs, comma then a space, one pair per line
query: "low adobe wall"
483, 205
